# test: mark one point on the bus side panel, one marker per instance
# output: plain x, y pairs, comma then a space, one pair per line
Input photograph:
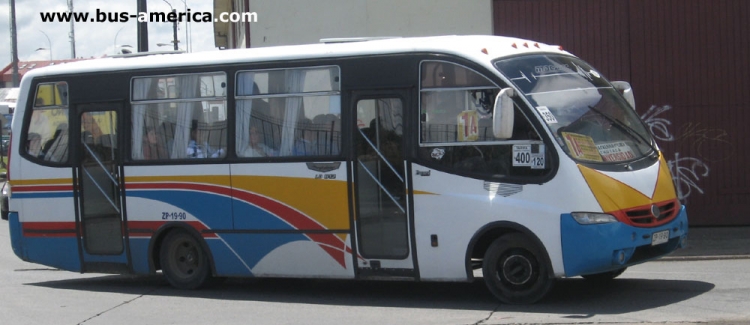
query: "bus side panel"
43, 198
140, 254
195, 196
227, 262
456, 212
290, 220
55, 251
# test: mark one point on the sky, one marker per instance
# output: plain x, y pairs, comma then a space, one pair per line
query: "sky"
94, 39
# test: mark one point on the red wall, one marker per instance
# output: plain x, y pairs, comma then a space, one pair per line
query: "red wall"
689, 64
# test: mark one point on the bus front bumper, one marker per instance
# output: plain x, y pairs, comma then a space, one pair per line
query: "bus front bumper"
591, 249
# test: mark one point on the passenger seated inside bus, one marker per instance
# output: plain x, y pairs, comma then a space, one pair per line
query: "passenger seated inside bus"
198, 146
154, 145
256, 147
193, 149
91, 133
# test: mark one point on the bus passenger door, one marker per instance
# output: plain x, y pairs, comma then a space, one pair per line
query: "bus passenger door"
382, 215
98, 180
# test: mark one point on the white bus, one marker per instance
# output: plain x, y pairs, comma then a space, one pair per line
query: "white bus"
419, 159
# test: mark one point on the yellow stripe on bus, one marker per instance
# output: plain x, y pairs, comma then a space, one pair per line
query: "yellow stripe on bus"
221, 180
44, 181
326, 201
613, 195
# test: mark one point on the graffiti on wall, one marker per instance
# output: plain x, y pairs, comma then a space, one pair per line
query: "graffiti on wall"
688, 171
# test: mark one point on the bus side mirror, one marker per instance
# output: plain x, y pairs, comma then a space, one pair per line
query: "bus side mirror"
502, 115
626, 91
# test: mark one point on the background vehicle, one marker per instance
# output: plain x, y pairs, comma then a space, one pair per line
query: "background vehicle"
4, 197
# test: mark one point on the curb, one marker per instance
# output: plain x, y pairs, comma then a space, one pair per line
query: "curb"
704, 258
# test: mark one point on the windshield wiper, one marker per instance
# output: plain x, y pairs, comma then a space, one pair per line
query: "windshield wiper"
624, 127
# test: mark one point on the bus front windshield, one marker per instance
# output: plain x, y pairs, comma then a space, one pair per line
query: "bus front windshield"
588, 118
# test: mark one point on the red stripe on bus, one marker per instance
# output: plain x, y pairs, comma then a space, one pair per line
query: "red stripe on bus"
300, 222
49, 229
137, 227
180, 186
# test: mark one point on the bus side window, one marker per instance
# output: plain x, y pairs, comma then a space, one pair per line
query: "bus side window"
179, 116
288, 112
456, 124
522, 129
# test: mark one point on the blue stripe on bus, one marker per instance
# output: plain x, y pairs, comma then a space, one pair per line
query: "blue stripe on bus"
43, 195
215, 211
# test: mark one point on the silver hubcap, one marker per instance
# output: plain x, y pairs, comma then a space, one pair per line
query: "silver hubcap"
517, 269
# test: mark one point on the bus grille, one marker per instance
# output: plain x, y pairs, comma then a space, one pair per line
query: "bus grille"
643, 217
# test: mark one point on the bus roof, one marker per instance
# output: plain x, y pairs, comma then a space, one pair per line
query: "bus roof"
482, 49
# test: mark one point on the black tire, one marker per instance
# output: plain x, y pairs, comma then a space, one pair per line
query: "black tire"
515, 270
604, 276
184, 262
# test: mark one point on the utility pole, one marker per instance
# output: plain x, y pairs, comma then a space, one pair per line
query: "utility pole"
187, 29
142, 28
14, 44
72, 32
174, 29
174, 26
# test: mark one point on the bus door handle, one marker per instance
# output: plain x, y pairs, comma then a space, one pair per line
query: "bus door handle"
323, 167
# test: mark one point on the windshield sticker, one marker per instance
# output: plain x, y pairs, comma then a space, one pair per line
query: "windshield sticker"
468, 126
528, 155
550, 69
582, 146
615, 151
437, 153
548, 117
522, 77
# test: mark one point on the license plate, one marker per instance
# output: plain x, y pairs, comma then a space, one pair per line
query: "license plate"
660, 237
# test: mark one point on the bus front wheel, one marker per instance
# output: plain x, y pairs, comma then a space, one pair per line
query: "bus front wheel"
514, 270
183, 261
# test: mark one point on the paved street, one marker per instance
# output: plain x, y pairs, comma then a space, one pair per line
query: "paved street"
714, 291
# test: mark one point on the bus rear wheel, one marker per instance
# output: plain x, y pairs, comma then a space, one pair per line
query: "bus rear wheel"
514, 270
184, 262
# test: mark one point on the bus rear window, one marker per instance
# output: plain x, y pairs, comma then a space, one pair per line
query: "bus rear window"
47, 132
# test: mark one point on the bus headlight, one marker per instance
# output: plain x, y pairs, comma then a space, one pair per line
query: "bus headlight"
592, 218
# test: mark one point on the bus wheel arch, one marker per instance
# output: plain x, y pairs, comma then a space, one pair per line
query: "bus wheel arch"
193, 246
515, 264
